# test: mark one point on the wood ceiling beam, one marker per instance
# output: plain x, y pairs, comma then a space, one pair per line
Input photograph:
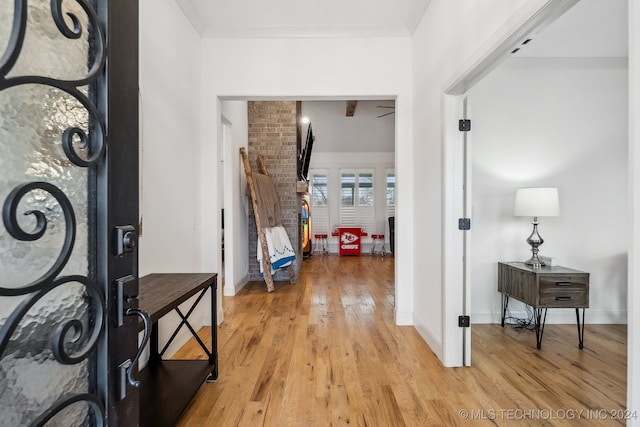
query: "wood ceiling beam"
351, 108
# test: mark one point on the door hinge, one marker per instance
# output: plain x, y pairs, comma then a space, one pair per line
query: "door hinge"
464, 321
464, 125
464, 223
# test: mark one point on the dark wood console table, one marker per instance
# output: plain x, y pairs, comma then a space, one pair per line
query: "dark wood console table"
167, 386
543, 288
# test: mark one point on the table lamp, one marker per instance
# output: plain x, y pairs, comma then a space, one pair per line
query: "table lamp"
536, 202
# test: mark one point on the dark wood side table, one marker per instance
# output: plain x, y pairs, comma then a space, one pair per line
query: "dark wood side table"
167, 386
543, 288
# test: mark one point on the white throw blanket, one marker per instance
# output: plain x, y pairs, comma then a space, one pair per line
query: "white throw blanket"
281, 254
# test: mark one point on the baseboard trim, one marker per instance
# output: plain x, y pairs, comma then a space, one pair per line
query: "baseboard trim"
558, 316
404, 318
431, 339
231, 290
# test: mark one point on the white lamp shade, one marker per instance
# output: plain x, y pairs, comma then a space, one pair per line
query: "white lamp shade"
537, 202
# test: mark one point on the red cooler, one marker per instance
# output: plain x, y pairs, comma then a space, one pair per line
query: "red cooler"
350, 240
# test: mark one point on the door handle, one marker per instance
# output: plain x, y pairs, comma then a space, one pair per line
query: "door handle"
564, 283
147, 332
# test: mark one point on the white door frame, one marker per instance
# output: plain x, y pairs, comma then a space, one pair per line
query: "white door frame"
528, 20
226, 188
633, 314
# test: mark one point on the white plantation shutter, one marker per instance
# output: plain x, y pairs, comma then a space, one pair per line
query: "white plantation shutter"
319, 188
320, 220
347, 215
366, 218
319, 202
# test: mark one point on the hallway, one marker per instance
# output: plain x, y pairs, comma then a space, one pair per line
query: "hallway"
326, 351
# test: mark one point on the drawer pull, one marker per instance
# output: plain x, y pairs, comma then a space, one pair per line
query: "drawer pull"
563, 298
564, 283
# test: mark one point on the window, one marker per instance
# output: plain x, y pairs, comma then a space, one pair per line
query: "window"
319, 189
360, 183
391, 188
356, 198
348, 187
391, 194
365, 189
319, 181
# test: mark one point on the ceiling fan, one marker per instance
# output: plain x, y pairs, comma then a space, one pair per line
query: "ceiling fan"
385, 114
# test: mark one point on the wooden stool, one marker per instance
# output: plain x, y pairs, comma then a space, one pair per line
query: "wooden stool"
321, 246
377, 246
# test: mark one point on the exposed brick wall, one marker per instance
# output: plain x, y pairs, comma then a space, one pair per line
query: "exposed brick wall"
272, 134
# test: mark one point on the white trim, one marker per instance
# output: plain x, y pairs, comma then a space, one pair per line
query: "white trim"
404, 318
431, 339
452, 292
467, 180
328, 160
633, 331
231, 290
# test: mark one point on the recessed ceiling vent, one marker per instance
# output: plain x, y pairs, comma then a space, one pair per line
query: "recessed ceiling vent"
523, 43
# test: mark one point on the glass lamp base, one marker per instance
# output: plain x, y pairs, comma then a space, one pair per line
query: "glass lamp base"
535, 262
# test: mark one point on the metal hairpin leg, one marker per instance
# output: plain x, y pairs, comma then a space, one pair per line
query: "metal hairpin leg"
539, 319
580, 328
505, 304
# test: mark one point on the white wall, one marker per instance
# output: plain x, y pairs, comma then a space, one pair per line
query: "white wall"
442, 50
557, 123
304, 69
170, 132
236, 203
170, 92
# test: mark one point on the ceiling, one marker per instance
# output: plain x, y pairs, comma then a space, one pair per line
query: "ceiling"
590, 29
364, 132
306, 18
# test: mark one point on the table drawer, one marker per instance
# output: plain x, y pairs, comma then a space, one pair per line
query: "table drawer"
558, 298
567, 283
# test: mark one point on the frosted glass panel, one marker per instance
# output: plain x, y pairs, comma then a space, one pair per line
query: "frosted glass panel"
38, 364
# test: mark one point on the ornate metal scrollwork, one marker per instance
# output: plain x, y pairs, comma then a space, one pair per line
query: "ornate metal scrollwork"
61, 335
72, 86
70, 342
91, 400
10, 219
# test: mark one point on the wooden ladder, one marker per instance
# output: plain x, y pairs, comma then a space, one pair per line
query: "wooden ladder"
266, 261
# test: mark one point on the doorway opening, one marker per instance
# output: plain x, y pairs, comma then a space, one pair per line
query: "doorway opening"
331, 126
535, 77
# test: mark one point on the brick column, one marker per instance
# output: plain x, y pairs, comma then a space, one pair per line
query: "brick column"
272, 134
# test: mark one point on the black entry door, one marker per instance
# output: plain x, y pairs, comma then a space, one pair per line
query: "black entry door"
69, 195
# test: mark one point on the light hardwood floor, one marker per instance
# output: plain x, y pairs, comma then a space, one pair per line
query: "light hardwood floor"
326, 352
